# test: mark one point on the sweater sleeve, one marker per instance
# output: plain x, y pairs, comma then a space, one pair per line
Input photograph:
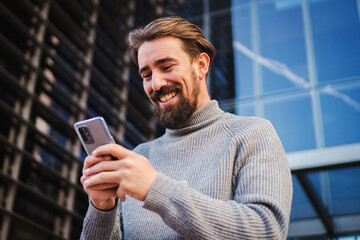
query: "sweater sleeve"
259, 209
101, 224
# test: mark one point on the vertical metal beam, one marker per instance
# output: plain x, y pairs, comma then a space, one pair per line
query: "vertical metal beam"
259, 109
315, 99
358, 7
315, 200
318, 125
207, 33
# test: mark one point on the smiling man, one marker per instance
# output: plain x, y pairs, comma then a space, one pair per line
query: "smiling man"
212, 175
173, 82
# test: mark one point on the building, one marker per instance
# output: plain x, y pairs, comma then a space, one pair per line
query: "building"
294, 62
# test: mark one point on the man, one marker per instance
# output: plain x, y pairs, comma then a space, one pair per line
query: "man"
212, 175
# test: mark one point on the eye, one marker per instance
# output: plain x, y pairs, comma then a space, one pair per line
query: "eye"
168, 67
146, 76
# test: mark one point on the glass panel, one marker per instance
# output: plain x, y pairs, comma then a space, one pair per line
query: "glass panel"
336, 36
81, 203
39, 180
282, 45
222, 70
27, 231
187, 9
341, 115
293, 120
45, 127
32, 208
71, 31
43, 155
301, 206
349, 238
320, 182
246, 109
241, 28
345, 190
339, 189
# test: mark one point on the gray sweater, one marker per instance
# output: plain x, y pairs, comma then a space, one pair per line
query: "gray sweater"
221, 177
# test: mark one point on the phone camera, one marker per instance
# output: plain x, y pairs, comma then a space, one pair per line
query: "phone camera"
85, 135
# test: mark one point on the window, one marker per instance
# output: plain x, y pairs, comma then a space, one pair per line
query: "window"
292, 118
336, 34
282, 45
341, 114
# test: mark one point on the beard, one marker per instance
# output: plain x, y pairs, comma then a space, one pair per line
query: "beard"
175, 116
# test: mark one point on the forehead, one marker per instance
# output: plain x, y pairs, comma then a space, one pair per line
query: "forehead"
159, 48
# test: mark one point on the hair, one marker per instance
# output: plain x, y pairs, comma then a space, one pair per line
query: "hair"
191, 35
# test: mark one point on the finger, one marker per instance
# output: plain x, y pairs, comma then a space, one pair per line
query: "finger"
99, 186
102, 166
92, 160
102, 178
83, 179
107, 158
112, 149
120, 193
104, 186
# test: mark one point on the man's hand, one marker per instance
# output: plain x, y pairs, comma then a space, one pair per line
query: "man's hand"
105, 179
103, 196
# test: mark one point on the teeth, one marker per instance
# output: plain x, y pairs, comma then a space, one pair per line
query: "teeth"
167, 97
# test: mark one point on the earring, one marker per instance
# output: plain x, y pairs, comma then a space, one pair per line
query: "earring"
201, 76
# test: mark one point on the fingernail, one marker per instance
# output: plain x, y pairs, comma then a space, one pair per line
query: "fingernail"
86, 172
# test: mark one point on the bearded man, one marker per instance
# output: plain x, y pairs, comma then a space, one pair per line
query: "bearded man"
212, 175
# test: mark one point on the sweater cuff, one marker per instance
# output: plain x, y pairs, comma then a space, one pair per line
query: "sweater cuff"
98, 222
160, 193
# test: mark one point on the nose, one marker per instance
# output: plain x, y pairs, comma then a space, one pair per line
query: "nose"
157, 81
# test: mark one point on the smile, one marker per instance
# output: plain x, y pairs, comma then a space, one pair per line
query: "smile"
167, 97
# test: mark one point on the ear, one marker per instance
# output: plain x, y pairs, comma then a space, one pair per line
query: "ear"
203, 63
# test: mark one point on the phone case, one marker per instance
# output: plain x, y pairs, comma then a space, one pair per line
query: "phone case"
93, 132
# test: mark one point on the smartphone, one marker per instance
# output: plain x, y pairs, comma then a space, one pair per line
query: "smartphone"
93, 132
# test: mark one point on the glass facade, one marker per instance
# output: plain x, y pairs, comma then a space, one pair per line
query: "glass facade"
294, 62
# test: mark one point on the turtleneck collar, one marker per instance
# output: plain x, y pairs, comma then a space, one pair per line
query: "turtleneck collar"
202, 117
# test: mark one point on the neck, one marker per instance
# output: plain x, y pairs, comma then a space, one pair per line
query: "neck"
204, 97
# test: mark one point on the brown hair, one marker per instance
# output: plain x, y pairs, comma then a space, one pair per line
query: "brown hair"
191, 35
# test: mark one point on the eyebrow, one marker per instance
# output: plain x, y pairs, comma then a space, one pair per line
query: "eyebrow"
157, 63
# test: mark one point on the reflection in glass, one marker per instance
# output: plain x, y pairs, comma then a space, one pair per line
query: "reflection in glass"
320, 183
293, 120
336, 37
40, 181
281, 38
341, 115
301, 206
27, 205
240, 17
345, 190
222, 70
246, 109
339, 189
41, 154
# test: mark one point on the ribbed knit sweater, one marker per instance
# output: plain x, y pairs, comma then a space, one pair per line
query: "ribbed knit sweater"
222, 176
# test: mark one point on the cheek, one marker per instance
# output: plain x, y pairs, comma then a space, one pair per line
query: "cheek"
147, 88
190, 83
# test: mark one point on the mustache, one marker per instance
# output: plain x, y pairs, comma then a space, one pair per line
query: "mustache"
165, 90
